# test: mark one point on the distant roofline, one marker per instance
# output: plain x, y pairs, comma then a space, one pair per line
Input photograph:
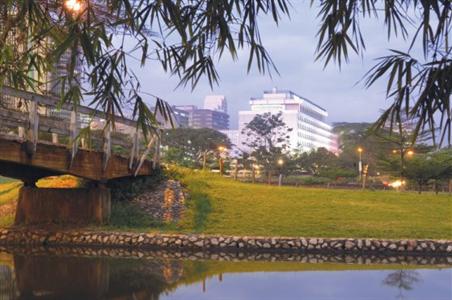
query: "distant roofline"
290, 92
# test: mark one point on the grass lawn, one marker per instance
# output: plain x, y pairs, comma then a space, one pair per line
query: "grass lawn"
224, 206
9, 191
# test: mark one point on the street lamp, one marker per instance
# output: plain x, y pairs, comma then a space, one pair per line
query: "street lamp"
280, 164
410, 152
360, 163
73, 5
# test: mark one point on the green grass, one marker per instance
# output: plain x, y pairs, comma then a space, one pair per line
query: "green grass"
9, 191
128, 217
6, 180
223, 206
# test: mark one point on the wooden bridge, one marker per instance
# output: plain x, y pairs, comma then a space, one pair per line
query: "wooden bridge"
40, 137
32, 134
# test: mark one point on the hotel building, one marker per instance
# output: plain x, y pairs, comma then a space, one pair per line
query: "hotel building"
307, 119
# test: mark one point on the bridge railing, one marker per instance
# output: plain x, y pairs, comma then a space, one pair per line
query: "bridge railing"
36, 118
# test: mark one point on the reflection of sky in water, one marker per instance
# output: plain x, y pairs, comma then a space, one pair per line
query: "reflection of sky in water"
319, 285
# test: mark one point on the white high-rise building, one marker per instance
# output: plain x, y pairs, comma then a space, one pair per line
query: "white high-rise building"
307, 119
216, 103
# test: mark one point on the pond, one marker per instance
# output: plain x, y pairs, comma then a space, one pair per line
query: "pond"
48, 274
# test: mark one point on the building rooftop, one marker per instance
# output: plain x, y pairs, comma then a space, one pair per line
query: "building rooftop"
291, 95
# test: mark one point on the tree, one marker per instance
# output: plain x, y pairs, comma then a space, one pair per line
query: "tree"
424, 168
323, 163
403, 280
186, 37
419, 87
193, 147
359, 135
267, 137
245, 161
317, 160
383, 150
101, 36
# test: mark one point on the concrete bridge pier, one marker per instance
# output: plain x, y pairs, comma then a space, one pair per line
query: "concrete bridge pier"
63, 206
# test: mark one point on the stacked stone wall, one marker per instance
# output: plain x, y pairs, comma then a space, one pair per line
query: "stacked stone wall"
108, 239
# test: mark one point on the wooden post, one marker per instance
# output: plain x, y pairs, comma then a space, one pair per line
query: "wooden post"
134, 152
450, 186
156, 158
145, 153
54, 138
73, 134
21, 132
107, 144
83, 142
33, 127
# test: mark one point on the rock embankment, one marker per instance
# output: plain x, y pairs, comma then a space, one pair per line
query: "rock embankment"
131, 253
165, 203
223, 243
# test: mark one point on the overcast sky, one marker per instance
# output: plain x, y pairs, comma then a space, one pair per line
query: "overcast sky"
292, 47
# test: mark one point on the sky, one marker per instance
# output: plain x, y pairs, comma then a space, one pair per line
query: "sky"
291, 45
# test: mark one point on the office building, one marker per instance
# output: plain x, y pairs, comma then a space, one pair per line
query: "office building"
214, 114
216, 103
307, 119
182, 117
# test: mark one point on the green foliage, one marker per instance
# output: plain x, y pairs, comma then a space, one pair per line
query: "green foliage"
199, 204
6, 179
187, 38
336, 173
354, 135
314, 180
383, 151
100, 38
435, 166
419, 87
8, 196
268, 137
124, 189
125, 215
317, 161
192, 147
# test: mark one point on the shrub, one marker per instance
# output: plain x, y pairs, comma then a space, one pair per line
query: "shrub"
124, 189
124, 214
314, 180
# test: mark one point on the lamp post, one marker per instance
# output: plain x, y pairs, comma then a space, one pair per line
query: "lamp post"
360, 163
280, 164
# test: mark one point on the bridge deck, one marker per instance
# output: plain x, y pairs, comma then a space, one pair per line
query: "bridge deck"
53, 159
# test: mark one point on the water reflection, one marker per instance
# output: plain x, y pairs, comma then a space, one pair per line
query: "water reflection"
403, 280
69, 277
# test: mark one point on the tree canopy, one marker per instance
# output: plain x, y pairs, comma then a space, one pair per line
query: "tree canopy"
101, 36
268, 138
187, 36
428, 167
193, 147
